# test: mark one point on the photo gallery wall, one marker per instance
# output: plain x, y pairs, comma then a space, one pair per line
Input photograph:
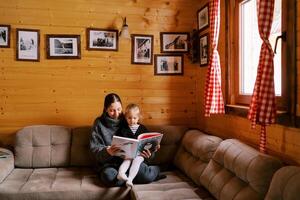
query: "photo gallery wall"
66, 46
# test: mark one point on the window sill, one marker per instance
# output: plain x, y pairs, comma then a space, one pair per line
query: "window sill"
282, 118
238, 110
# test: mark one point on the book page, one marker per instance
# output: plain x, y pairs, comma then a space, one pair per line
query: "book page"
128, 146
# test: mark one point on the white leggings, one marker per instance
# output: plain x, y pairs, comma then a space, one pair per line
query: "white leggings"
135, 165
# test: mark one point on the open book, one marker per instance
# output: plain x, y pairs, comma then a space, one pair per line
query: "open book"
130, 148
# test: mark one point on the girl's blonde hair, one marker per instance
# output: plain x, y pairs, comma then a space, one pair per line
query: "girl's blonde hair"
132, 107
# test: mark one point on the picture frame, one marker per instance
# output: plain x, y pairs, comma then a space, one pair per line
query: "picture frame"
141, 49
204, 49
102, 39
28, 45
168, 64
174, 42
62, 46
203, 17
4, 36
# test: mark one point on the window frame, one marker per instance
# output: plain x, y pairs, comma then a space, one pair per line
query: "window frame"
234, 97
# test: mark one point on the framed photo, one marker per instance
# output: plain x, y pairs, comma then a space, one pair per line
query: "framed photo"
204, 49
28, 45
4, 36
141, 49
63, 46
175, 42
168, 64
102, 39
203, 17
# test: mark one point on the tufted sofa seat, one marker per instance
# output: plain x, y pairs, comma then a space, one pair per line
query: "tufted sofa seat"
56, 183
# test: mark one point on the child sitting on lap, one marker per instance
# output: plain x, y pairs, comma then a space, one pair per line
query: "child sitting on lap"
132, 130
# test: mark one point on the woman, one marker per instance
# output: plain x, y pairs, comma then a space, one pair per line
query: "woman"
107, 164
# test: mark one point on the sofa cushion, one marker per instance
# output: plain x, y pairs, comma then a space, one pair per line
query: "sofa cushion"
58, 183
80, 152
194, 153
237, 171
175, 186
285, 184
42, 146
6, 164
169, 144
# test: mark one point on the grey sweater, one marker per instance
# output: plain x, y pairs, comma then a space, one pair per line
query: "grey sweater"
103, 130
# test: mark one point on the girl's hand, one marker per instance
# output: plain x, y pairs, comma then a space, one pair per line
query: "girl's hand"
157, 148
146, 154
112, 150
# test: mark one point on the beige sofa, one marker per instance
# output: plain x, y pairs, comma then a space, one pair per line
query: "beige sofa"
53, 162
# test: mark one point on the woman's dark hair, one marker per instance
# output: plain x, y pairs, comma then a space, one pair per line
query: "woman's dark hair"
109, 99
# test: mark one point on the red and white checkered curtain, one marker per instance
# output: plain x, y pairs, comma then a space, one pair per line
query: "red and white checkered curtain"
262, 108
213, 94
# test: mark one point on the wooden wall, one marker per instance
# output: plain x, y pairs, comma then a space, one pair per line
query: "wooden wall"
71, 92
281, 141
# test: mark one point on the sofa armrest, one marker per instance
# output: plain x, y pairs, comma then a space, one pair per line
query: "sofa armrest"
285, 184
7, 164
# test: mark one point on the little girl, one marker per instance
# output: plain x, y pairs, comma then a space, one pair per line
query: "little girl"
132, 130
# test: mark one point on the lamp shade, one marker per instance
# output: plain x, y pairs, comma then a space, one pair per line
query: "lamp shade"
124, 33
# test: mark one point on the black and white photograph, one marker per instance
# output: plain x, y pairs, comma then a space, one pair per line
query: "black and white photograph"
168, 64
28, 45
102, 39
63, 46
203, 17
204, 50
175, 42
142, 49
4, 36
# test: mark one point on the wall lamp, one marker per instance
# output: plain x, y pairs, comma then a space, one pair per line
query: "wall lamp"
124, 33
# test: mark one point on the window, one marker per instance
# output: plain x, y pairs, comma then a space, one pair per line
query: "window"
247, 43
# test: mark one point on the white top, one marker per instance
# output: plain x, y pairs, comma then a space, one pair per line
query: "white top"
134, 128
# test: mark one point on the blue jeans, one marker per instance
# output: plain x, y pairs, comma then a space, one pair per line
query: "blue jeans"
146, 174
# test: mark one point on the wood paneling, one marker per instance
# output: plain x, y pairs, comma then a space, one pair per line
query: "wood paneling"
71, 92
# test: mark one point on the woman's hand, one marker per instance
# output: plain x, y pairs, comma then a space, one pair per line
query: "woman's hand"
157, 148
112, 150
146, 154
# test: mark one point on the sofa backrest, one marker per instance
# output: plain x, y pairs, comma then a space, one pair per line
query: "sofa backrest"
80, 152
285, 184
59, 146
169, 145
42, 146
195, 151
237, 171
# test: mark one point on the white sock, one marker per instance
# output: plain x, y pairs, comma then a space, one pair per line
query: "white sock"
123, 169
